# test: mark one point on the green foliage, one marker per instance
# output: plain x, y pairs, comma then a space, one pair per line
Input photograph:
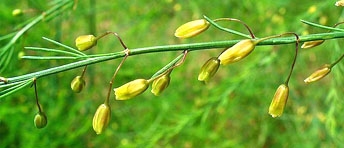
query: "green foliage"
230, 111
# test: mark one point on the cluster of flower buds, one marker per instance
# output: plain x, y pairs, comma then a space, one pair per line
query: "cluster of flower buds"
238, 52
230, 55
233, 54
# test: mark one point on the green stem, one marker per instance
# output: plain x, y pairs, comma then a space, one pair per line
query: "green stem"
170, 66
52, 50
226, 29
295, 57
36, 94
237, 20
14, 89
64, 46
322, 26
49, 58
31, 24
165, 48
337, 61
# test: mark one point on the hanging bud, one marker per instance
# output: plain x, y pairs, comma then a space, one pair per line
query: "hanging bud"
237, 52
40, 120
311, 44
209, 69
319, 74
77, 84
191, 29
17, 12
101, 118
85, 42
131, 89
161, 83
279, 101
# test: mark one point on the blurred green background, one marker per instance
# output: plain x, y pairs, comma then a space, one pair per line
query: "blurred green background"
230, 111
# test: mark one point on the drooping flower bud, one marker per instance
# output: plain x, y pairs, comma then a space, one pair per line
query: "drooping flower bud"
160, 84
131, 89
279, 101
209, 69
17, 12
191, 29
77, 84
311, 44
101, 118
85, 42
237, 52
40, 120
318, 74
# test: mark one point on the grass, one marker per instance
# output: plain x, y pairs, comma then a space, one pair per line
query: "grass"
231, 111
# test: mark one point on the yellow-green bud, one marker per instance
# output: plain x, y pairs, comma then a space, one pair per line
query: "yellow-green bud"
237, 52
77, 84
209, 69
279, 101
85, 42
2, 79
192, 28
131, 89
17, 12
101, 118
160, 84
21, 54
40, 120
318, 74
311, 44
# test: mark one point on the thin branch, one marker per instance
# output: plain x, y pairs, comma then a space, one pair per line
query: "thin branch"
179, 47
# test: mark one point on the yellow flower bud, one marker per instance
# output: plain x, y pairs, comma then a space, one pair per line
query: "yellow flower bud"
131, 89
17, 12
160, 84
319, 74
40, 120
311, 44
101, 118
77, 84
279, 101
85, 42
237, 52
192, 28
209, 69
339, 3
